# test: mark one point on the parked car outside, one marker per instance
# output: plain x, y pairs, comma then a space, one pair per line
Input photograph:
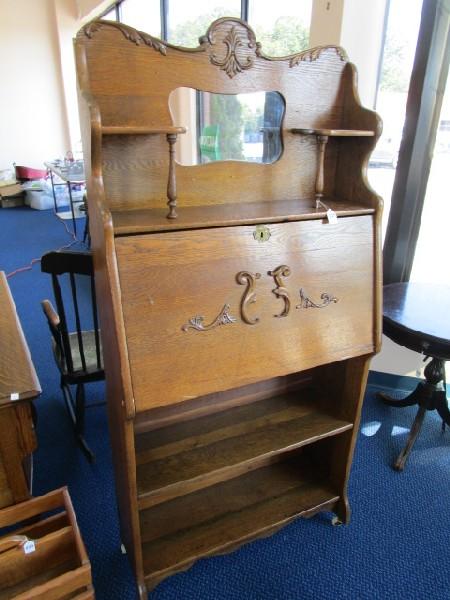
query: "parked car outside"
386, 152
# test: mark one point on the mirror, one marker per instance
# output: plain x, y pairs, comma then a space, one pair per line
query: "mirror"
245, 127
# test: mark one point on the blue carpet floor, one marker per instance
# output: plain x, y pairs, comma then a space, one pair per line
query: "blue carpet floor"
398, 542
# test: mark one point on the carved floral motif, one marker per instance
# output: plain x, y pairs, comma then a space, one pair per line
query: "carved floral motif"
249, 297
197, 322
306, 302
314, 53
237, 37
237, 40
280, 291
131, 34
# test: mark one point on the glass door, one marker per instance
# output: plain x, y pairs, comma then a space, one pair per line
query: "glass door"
432, 256
402, 28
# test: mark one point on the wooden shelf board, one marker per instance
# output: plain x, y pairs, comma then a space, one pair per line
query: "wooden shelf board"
139, 130
148, 220
28, 584
43, 527
226, 515
189, 456
335, 132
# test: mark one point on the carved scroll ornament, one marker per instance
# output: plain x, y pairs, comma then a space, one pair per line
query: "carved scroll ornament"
131, 34
314, 53
306, 302
249, 297
230, 42
280, 291
197, 322
238, 41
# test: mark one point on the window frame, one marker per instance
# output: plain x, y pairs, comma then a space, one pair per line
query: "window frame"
116, 7
164, 13
423, 107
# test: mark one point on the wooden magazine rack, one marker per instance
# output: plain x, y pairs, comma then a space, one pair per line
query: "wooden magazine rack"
42, 555
237, 324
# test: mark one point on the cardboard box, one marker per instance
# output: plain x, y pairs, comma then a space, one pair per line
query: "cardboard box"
12, 201
11, 190
11, 196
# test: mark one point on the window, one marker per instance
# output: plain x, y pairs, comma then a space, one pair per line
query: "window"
418, 143
144, 15
187, 21
282, 27
431, 257
112, 13
402, 29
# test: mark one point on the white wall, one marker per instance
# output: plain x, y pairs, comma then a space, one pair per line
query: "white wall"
67, 24
38, 102
362, 35
326, 22
357, 26
88, 9
397, 360
33, 123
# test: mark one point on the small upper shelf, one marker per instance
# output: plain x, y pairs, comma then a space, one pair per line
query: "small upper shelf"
140, 130
335, 132
146, 220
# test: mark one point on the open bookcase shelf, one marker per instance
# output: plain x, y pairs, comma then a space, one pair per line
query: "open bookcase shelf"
224, 516
178, 459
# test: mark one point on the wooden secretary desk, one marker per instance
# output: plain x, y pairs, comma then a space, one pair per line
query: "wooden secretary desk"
239, 301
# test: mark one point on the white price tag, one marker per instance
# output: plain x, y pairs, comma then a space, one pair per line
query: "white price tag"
29, 547
331, 216
15, 396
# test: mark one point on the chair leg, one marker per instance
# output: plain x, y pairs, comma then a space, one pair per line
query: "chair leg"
76, 411
79, 409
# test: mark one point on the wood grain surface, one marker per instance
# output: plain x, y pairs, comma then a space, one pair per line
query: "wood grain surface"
17, 373
227, 515
148, 220
180, 459
58, 568
166, 279
18, 385
316, 93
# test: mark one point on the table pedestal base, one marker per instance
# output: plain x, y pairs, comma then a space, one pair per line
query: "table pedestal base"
429, 395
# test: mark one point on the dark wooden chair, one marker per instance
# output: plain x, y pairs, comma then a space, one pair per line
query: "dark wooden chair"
77, 351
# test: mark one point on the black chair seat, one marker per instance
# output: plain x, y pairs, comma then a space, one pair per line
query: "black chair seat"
93, 370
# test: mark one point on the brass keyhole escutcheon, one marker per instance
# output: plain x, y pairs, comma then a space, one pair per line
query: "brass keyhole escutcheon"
261, 233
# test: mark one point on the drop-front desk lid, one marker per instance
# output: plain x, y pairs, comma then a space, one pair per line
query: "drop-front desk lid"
212, 309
